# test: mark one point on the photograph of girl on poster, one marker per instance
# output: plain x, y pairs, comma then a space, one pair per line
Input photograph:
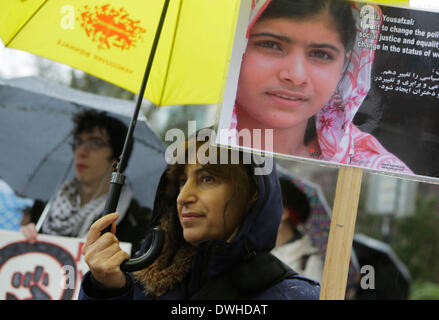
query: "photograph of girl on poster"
305, 73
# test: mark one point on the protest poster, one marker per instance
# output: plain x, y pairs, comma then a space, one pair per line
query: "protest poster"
377, 110
50, 269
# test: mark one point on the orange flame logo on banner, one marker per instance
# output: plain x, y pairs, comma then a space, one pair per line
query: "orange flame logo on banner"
110, 27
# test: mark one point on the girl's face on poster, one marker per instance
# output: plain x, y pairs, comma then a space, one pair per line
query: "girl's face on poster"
290, 70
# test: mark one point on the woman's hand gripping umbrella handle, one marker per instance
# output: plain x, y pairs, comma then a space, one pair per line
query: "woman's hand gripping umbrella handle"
117, 178
158, 236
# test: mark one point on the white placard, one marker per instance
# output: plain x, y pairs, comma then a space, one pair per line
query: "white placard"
50, 269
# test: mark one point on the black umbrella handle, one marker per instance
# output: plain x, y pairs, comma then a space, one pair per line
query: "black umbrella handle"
158, 236
142, 262
118, 179
116, 184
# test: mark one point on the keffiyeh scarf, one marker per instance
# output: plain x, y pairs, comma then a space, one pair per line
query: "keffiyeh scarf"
66, 216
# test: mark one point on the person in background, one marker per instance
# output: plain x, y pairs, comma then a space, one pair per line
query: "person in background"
293, 245
98, 141
304, 230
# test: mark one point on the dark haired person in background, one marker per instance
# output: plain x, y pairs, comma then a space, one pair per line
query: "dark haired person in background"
294, 246
304, 230
98, 141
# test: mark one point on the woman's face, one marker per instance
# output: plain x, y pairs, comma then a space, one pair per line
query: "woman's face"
206, 205
290, 70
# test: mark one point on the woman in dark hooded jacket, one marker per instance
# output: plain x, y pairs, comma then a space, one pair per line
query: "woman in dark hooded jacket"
215, 216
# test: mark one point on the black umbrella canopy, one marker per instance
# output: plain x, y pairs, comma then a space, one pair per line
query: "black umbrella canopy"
35, 127
391, 277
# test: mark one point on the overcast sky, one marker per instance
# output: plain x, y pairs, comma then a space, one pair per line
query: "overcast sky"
16, 63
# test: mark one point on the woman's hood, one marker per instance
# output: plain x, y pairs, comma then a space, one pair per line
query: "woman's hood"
259, 228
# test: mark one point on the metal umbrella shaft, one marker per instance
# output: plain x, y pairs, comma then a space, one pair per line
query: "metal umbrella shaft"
118, 178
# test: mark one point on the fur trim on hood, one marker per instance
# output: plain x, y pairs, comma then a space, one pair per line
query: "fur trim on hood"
169, 269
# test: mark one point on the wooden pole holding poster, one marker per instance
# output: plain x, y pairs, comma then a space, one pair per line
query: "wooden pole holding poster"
341, 233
